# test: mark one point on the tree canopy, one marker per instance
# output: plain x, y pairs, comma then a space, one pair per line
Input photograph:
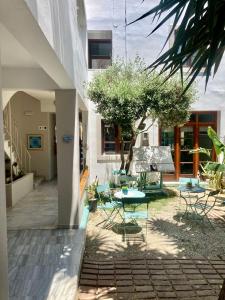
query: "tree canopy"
200, 32
128, 94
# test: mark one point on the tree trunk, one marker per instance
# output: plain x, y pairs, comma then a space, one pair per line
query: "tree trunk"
122, 155
132, 144
130, 152
222, 292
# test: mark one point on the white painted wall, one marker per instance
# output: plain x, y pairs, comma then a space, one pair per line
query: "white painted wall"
110, 15
18, 189
43, 162
63, 24
3, 231
67, 123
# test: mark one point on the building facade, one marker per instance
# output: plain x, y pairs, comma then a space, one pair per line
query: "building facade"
109, 38
42, 73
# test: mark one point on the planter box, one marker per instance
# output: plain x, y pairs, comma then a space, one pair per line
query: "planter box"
18, 189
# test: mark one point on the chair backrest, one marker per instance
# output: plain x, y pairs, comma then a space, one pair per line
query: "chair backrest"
102, 188
213, 193
184, 181
211, 203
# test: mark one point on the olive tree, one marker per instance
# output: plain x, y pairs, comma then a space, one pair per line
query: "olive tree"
127, 94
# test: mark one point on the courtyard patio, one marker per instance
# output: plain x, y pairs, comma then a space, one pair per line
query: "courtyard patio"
180, 257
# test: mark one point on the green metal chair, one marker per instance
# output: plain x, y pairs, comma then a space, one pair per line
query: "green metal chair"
130, 212
203, 206
107, 205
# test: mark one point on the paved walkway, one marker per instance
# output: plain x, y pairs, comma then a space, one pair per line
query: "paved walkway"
37, 210
180, 258
151, 278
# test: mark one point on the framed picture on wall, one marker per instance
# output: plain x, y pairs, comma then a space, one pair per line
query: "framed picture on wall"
34, 142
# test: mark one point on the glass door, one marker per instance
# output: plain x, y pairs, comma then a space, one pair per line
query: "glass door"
204, 142
187, 142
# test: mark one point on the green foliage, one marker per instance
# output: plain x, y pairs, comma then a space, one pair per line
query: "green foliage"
213, 170
218, 145
92, 189
200, 33
125, 93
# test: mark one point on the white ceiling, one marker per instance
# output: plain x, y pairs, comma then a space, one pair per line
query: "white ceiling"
12, 53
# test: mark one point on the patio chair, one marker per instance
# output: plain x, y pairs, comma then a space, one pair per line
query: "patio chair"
107, 205
130, 212
203, 206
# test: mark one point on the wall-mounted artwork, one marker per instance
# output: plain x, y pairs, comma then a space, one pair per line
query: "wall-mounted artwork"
35, 142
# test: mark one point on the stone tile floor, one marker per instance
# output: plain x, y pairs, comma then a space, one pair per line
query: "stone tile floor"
37, 210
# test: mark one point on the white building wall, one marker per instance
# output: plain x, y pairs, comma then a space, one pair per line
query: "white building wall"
65, 30
110, 15
4, 292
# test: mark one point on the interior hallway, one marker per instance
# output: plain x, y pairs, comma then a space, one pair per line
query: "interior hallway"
37, 210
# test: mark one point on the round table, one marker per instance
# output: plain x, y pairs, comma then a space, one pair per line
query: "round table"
130, 194
193, 189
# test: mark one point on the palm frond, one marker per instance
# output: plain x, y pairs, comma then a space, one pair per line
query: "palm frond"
201, 33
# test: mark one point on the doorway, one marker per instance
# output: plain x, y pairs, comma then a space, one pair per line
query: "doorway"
192, 135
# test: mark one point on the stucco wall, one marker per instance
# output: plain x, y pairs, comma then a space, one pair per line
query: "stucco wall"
4, 292
64, 25
110, 15
42, 161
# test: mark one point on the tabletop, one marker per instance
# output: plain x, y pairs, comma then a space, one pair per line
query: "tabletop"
194, 189
130, 194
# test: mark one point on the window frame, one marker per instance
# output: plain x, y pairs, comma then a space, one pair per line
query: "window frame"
90, 57
117, 140
177, 146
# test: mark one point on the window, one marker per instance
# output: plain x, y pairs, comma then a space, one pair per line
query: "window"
111, 139
100, 53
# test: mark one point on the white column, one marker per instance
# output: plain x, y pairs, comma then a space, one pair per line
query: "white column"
67, 131
3, 225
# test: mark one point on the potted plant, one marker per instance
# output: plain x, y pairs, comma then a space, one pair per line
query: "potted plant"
189, 185
125, 190
92, 195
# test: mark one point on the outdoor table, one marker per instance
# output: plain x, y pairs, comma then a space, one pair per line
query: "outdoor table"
132, 194
189, 193
132, 197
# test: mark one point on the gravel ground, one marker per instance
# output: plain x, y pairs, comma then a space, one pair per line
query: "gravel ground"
168, 234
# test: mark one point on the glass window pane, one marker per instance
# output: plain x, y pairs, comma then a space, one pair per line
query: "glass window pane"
204, 142
192, 118
110, 147
109, 133
100, 48
167, 138
206, 117
187, 138
186, 169
185, 156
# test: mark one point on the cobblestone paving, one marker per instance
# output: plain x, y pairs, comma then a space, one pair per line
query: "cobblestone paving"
151, 278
